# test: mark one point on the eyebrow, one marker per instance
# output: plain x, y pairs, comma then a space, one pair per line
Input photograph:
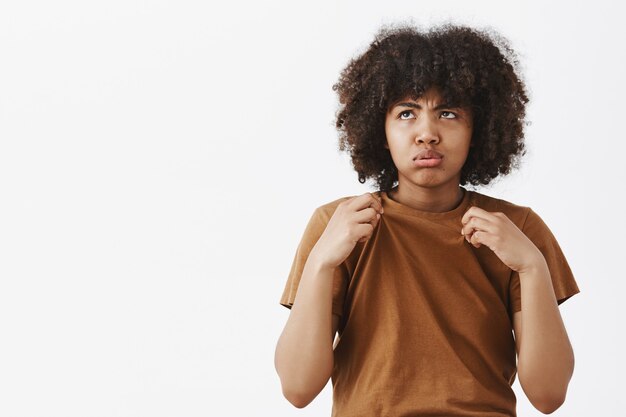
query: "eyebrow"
417, 106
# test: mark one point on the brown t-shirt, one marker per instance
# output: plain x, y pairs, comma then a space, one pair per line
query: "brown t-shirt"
426, 318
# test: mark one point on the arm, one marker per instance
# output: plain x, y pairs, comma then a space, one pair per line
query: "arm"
304, 353
545, 355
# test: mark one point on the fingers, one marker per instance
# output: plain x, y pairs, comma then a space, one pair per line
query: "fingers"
366, 230
475, 211
475, 223
377, 203
367, 220
367, 215
368, 208
475, 238
367, 200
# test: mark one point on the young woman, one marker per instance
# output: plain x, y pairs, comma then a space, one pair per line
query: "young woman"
429, 285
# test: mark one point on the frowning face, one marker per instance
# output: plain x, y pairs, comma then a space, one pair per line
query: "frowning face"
413, 127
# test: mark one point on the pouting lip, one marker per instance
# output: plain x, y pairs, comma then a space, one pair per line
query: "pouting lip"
428, 153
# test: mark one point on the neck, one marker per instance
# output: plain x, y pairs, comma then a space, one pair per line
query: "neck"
438, 199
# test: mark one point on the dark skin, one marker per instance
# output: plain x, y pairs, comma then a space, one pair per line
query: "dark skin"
409, 130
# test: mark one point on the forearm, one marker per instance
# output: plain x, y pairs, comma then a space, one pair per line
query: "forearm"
546, 358
304, 353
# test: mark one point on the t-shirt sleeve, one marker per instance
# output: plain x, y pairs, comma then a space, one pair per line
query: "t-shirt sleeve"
312, 232
563, 280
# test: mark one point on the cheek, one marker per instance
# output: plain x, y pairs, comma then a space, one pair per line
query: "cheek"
459, 156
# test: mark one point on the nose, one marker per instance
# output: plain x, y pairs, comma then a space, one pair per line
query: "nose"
427, 132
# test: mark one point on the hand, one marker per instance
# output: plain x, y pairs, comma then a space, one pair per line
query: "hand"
353, 221
502, 236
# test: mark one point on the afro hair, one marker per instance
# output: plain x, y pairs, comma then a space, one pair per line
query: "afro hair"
472, 68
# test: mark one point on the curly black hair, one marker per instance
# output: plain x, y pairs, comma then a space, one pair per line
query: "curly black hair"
471, 67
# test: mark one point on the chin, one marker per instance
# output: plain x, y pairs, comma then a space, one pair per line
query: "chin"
429, 179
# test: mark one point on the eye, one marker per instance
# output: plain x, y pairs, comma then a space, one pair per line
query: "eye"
404, 112
449, 112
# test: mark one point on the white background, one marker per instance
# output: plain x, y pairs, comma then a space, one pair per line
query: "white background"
159, 161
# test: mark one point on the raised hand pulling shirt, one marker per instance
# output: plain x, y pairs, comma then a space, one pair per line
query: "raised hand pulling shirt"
426, 318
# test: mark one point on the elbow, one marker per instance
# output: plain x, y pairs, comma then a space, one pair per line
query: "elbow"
299, 392
300, 396
546, 395
546, 402
302, 382
298, 400
301, 388
550, 405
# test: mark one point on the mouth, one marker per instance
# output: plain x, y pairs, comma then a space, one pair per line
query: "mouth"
427, 162
427, 154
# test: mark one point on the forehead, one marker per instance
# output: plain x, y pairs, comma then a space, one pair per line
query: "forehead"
432, 94
431, 97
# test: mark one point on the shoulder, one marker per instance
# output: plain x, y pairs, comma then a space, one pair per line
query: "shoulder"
524, 217
320, 217
517, 213
326, 210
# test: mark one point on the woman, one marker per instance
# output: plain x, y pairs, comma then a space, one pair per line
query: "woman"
424, 280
